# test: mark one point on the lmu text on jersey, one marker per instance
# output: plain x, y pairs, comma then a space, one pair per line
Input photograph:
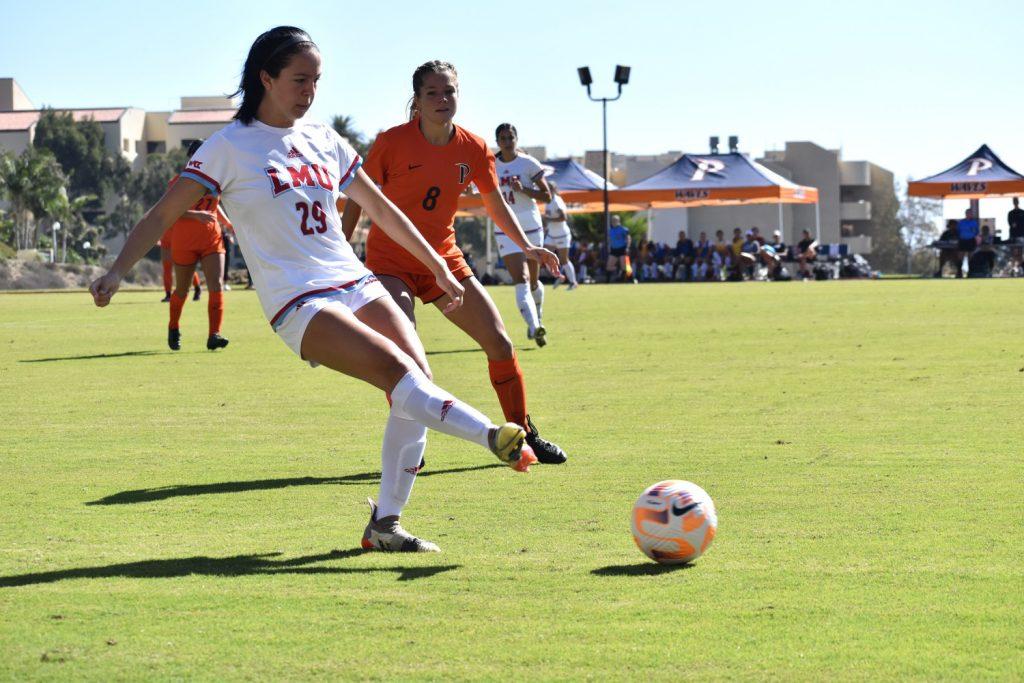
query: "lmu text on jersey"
303, 175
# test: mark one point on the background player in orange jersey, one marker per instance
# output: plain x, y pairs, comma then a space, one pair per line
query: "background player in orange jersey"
197, 239
166, 244
423, 166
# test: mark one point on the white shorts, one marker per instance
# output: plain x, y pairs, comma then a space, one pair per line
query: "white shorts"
558, 241
292, 327
506, 246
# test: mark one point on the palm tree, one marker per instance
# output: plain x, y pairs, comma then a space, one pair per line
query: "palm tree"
34, 184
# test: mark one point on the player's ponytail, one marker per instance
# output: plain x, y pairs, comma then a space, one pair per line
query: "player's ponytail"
434, 67
271, 52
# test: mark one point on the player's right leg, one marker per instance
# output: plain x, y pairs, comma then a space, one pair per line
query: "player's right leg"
168, 271
182, 278
213, 269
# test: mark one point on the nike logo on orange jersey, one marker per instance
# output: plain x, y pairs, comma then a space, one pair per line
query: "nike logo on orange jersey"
413, 167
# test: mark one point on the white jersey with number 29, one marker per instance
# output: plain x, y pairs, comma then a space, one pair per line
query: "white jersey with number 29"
280, 187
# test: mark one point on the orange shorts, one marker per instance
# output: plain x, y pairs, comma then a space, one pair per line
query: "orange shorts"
165, 239
194, 241
410, 271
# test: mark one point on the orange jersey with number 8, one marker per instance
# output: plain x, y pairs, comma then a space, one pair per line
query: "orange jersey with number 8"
424, 181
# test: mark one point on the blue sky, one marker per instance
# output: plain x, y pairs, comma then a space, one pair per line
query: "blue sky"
911, 85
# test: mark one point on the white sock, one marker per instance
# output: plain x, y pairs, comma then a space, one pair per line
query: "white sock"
538, 300
400, 456
570, 272
417, 398
527, 308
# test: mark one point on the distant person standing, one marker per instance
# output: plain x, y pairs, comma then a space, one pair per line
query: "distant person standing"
1016, 220
967, 239
557, 236
806, 252
618, 246
948, 255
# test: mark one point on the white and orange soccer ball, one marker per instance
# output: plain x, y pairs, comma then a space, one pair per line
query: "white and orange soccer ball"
674, 521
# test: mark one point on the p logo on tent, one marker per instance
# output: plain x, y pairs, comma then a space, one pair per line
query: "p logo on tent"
705, 166
978, 165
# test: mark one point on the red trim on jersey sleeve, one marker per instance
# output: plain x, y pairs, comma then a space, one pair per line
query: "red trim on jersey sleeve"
349, 176
203, 179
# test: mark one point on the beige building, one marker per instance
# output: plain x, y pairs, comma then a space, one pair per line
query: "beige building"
129, 131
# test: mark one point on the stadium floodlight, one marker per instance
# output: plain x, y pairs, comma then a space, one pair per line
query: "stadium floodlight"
621, 79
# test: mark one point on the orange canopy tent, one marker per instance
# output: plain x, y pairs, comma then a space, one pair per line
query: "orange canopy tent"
714, 179
980, 175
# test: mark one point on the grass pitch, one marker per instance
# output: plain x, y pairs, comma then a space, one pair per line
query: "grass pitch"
195, 515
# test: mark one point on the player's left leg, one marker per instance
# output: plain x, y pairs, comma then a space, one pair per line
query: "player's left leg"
537, 292
479, 318
213, 269
182, 275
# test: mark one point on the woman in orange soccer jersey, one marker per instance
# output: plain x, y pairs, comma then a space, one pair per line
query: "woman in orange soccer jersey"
197, 239
423, 166
166, 244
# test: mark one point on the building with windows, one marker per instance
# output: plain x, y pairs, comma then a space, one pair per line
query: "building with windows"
129, 131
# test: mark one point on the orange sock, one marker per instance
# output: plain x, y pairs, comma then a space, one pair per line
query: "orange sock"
509, 385
167, 276
195, 279
177, 303
215, 310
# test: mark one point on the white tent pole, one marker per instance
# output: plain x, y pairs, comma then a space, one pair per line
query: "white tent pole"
817, 222
650, 223
782, 229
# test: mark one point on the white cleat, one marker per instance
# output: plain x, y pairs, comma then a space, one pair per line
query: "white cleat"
387, 534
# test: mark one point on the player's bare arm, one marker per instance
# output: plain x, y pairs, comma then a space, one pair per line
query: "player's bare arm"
395, 224
182, 195
541, 193
350, 218
502, 215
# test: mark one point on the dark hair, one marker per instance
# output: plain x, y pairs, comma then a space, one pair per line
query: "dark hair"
433, 67
194, 146
505, 126
271, 52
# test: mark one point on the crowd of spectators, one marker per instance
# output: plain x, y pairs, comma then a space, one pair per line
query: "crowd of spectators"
746, 255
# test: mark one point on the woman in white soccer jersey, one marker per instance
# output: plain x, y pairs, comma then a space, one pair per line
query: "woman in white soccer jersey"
521, 182
557, 236
279, 176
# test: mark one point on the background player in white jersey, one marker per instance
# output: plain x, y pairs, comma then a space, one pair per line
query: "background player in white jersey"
521, 182
557, 236
280, 176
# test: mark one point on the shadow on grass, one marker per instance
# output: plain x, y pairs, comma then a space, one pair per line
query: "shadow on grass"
97, 356
640, 569
237, 565
178, 490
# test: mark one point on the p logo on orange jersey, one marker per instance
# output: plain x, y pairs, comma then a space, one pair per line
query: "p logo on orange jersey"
463, 172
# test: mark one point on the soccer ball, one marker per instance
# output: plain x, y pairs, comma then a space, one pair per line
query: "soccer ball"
674, 521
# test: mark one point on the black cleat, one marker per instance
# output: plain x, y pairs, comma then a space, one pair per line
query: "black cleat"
198, 293
167, 297
547, 453
215, 341
174, 339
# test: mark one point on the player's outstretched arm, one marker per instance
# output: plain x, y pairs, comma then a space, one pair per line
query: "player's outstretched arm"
178, 199
350, 218
397, 226
502, 215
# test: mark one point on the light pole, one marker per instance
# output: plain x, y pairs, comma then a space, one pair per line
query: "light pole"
621, 79
53, 249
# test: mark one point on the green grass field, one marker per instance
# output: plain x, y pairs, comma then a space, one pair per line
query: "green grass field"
196, 515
